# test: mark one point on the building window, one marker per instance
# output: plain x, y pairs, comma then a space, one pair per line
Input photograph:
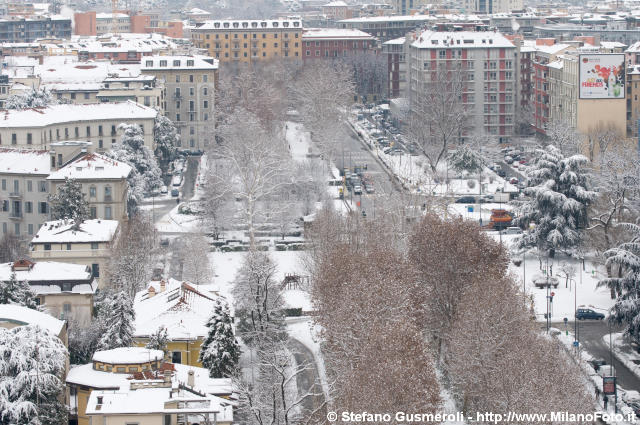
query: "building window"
43, 208
93, 212
95, 270
92, 192
43, 186
178, 78
94, 245
30, 227
107, 213
28, 207
107, 193
14, 139
205, 78
47, 247
29, 139
176, 357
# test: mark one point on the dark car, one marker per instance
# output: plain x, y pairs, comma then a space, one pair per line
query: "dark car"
466, 200
587, 314
636, 407
596, 363
501, 173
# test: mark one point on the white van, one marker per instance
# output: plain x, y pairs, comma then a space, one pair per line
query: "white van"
176, 181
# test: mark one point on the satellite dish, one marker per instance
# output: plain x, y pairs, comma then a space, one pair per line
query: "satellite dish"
514, 25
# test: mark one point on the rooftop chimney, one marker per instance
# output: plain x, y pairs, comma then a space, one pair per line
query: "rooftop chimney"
191, 381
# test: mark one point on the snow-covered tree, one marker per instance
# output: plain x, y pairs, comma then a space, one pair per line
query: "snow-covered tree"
166, 138
83, 340
466, 158
158, 340
69, 203
258, 300
195, 263
623, 263
220, 351
34, 98
118, 317
18, 292
146, 175
558, 201
133, 255
32, 368
11, 248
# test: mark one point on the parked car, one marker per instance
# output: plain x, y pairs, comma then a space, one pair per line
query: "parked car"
588, 314
466, 200
544, 281
501, 173
596, 363
369, 188
175, 193
164, 190
508, 159
513, 180
357, 190
513, 231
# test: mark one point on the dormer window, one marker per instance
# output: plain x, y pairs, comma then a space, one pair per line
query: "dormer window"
163, 63
275, 25
176, 62
216, 25
235, 25
226, 25
254, 25
285, 24
190, 62
245, 25
263, 24
149, 64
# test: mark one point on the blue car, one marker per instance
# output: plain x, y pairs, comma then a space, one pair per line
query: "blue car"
587, 314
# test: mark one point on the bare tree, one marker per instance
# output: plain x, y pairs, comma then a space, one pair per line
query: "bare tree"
564, 136
601, 138
438, 118
11, 248
370, 73
195, 262
324, 92
253, 166
133, 256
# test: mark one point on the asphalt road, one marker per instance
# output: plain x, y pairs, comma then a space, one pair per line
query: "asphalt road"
590, 335
354, 152
308, 381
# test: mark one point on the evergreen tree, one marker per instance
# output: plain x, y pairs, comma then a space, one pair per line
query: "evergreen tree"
166, 138
159, 340
17, 292
69, 203
220, 351
32, 368
558, 200
624, 262
466, 158
34, 98
117, 316
146, 175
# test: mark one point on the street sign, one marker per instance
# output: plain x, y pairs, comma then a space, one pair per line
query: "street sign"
576, 343
565, 320
608, 385
470, 209
553, 294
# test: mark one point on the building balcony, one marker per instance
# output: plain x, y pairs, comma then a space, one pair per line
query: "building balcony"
15, 195
15, 215
74, 253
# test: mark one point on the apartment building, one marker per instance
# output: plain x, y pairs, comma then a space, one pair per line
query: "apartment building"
492, 6
404, 7
386, 28
38, 128
89, 244
189, 83
488, 62
103, 181
64, 290
27, 30
394, 51
249, 41
24, 191
321, 43
103, 391
92, 23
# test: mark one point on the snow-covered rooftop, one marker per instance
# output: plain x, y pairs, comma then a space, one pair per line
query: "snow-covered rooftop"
21, 316
399, 40
128, 355
58, 114
86, 375
337, 3
61, 231
24, 161
182, 308
461, 39
394, 18
313, 33
46, 271
92, 166
241, 24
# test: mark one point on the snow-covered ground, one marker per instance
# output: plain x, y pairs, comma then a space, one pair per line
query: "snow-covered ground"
173, 222
623, 351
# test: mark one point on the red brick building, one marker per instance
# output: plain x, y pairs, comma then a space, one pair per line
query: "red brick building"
333, 43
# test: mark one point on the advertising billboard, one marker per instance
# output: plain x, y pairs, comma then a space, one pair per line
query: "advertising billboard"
601, 76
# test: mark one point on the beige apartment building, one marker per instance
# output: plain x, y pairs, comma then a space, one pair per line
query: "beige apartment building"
189, 99
24, 191
249, 40
38, 128
89, 245
103, 181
